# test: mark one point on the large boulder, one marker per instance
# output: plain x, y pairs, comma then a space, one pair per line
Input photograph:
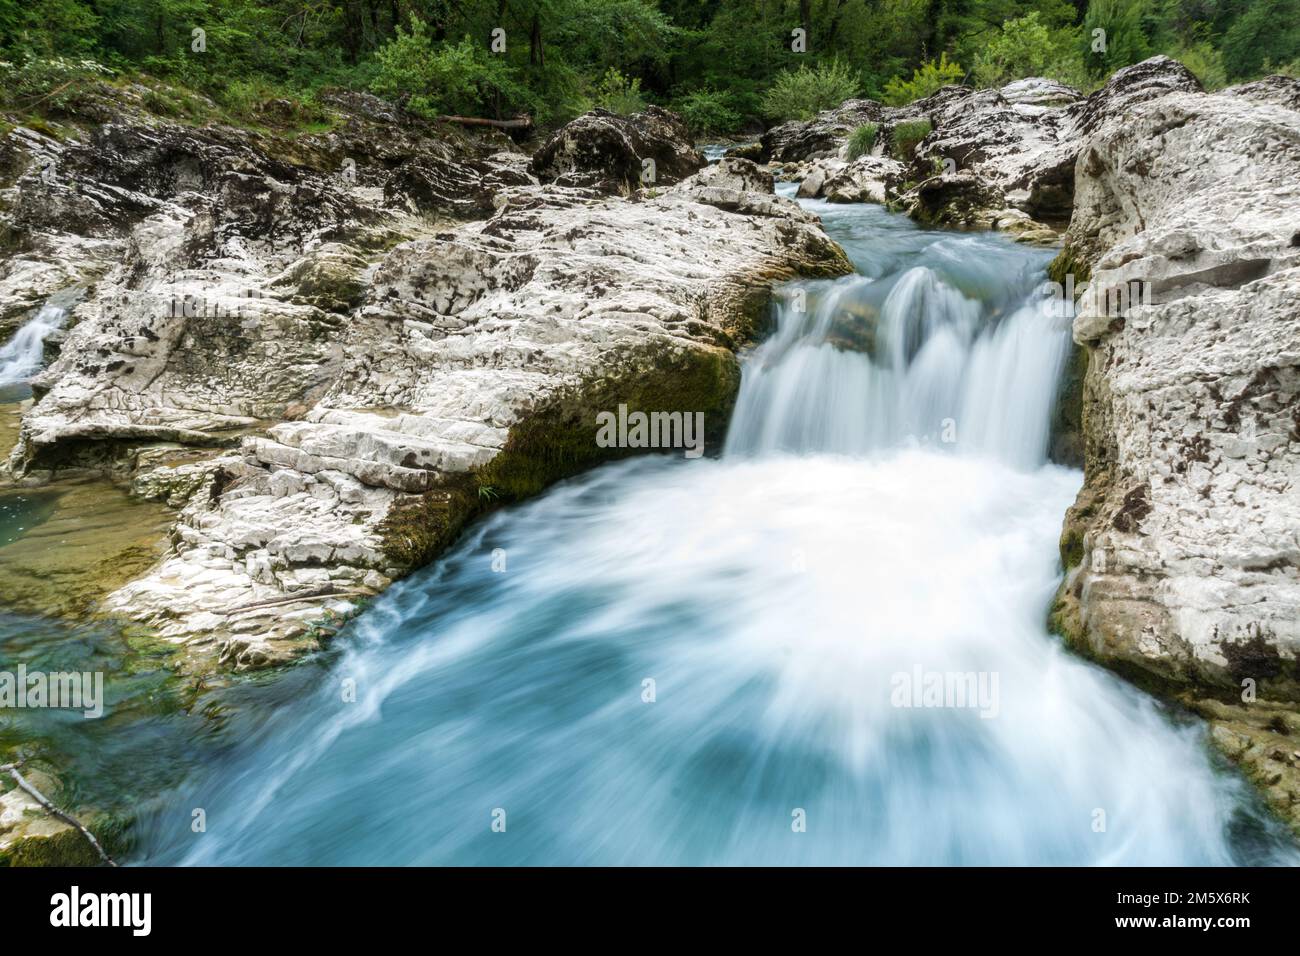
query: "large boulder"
866, 179
613, 153
823, 135
1182, 550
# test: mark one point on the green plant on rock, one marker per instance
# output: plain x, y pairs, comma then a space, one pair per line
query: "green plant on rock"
708, 112
907, 136
930, 77
803, 93
862, 140
619, 93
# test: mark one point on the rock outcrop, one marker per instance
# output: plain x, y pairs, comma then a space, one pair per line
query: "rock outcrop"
619, 154
1183, 549
992, 159
823, 135
361, 373
874, 179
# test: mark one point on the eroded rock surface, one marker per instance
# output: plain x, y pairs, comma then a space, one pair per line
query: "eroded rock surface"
1183, 548
329, 376
993, 159
613, 153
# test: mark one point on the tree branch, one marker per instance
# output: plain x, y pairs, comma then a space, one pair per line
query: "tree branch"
12, 770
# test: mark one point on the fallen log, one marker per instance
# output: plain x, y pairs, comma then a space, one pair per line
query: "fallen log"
519, 122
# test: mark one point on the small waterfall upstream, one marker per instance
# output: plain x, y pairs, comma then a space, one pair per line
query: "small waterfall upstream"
22, 356
826, 647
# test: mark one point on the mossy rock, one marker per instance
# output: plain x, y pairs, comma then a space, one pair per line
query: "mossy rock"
1067, 439
419, 528
557, 440
1069, 262
68, 847
331, 278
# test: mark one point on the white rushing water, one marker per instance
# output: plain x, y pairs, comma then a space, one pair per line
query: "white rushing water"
22, 355
826, 647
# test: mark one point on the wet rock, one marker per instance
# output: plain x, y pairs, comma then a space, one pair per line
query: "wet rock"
1182, 551
352, 398
619, 154
866, 179
821, 136
750, 151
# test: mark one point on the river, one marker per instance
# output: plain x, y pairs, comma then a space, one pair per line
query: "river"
827, 646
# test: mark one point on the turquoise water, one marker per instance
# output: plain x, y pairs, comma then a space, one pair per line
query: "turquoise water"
670, 661
697, 662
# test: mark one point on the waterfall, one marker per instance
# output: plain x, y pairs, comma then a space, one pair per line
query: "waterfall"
22, 355
827, 646
861, 365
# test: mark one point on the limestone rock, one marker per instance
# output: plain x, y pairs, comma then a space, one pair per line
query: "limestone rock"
1184, 544
614, 153
821, 136
329, 377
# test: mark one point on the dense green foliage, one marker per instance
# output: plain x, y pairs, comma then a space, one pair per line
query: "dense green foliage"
725, 64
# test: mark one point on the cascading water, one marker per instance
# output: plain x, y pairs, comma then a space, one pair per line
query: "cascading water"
826, 647
22, 355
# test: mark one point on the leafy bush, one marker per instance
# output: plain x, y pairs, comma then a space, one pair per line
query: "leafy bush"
803, 93
930, 77
1029, 47
618, 94
52, 83
862, 140
708, 112
1291, 69
1205, 62
907, 136
1267, 31
1122, 40
463, 78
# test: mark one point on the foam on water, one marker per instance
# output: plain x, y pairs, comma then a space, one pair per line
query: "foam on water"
772, 603
22, 355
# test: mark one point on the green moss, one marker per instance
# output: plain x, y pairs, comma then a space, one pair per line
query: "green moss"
1066, 263
417, 530
557, 440
69, 847
1067, 440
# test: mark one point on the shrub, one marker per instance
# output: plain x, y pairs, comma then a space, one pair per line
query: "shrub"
1205, 62
930, 77
52, 83
1266, 31
907, 136
1122, 40
708, 112
618, 94
459, 78
1029, 47
803, 93
862, 140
